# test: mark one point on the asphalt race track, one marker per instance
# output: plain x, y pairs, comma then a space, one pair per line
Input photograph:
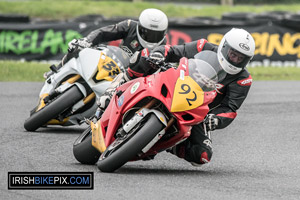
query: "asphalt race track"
256, 157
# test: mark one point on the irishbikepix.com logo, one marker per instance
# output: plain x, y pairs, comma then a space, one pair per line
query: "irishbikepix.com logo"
50, 180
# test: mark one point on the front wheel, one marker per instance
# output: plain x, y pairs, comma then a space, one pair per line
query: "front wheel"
83, 150
52, 110
122, 150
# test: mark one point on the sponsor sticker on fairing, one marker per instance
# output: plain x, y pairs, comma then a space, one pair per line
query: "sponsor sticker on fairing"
121, 101
135, 87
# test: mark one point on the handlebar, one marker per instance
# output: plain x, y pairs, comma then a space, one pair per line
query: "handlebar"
164, 66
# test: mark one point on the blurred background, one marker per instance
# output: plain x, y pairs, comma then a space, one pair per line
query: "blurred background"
35, 31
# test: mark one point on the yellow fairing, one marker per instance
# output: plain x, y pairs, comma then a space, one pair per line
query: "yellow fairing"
97, 137
187, 95
107, 68
57, 122
72, 79
41, 101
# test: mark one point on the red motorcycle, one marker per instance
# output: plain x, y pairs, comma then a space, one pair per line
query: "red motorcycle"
151, 114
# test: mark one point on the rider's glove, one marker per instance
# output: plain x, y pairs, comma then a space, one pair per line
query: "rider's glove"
78, 44
104, 100
156, 58
211, 122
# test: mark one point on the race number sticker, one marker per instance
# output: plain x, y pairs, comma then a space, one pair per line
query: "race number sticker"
107, 69
187, 95
135, 87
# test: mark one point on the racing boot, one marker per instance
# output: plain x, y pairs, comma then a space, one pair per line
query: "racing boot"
196, 154
178, 150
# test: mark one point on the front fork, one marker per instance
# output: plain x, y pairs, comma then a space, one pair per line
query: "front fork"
97, 135
150, 105
65, 85
47, 96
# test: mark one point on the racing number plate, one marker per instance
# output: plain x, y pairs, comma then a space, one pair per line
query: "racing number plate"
107, 69
187, 95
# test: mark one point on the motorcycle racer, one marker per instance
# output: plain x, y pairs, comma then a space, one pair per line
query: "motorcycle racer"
148, 32
234, 52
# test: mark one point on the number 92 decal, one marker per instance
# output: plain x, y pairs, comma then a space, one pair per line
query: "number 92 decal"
187, 95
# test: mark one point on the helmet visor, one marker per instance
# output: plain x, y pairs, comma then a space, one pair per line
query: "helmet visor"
234, 57
151, 36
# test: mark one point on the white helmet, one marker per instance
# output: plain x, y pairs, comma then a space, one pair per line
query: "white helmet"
235, 51
152, 27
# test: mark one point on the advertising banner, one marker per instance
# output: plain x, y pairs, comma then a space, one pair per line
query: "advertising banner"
277, 44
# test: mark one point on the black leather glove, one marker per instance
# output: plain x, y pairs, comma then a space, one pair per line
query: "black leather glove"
211, 122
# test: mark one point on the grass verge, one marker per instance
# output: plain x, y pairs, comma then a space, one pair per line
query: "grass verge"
22, 71
275, 73
33, 72
58, 10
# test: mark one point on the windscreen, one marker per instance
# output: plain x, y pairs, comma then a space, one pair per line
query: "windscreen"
205, 69
118, 55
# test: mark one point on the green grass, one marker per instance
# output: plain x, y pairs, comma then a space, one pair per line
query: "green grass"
22, 71
275, 73
57, 10
33, 72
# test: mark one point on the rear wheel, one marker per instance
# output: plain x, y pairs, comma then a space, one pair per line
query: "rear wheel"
126, 148
52, 110
83, 150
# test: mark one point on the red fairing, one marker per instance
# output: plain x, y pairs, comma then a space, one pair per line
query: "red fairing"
151, 86
246, 81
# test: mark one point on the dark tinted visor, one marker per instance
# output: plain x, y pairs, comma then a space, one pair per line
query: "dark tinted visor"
234, 57
151, 36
